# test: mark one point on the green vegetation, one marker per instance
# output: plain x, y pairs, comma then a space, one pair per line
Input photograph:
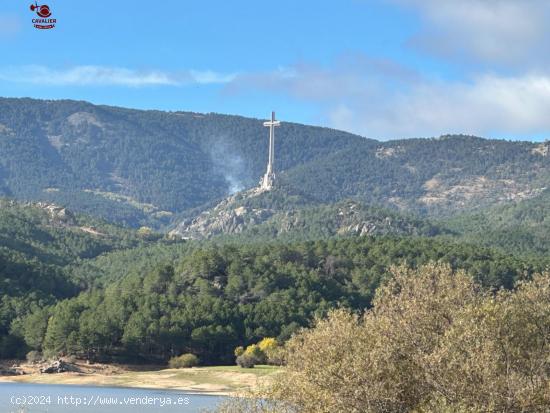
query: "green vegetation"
39, 244
434, 341
185, 360
217, 297
467, 334
453, 172
522, 227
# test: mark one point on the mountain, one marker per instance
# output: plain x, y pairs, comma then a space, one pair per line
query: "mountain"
438, 176
140, 167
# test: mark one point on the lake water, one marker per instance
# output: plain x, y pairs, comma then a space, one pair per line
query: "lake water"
46, 398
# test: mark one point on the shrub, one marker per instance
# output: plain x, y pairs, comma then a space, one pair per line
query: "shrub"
246, 361
239, 351
268, 344
34, 356
276, 357
253, 351
433, 342
271, 349
185, 360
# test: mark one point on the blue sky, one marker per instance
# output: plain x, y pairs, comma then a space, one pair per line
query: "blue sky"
385, 69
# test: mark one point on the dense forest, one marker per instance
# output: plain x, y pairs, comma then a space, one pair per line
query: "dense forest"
40, 247
211, 298
73, 284
147, 167
521, 227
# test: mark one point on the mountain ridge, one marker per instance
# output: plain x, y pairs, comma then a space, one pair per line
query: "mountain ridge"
140, 168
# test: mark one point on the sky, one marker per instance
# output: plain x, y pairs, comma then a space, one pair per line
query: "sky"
384, 69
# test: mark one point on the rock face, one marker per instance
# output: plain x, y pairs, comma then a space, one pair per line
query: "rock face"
10, 372
353, 218
234, 215
58, 215
58, 366
228, 217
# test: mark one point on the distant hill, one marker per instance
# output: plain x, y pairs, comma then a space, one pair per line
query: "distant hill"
147, 167
51, 233
432, 176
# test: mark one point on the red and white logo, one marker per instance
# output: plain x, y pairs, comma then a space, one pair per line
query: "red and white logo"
43, 11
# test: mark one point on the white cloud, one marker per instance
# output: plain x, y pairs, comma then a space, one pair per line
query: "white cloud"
105, 76
487, 106
513, 32
208, 76
351, 77
387, 104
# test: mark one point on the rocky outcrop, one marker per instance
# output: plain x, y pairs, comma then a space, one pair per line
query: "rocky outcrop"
228, 217
58, 366
234, 216
10, 372
57, 214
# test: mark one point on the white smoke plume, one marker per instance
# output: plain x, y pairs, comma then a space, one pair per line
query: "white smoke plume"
229, 163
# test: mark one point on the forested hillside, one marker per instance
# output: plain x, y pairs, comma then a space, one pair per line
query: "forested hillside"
39, 246
343, 211
435, 176
137, 166
74, 285
516, 227
210, 299
145, 167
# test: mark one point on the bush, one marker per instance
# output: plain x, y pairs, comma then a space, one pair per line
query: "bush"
239, 351
34, 356
272, 351
268, 344
266, 351
246, 361
253, 351
433, 342
276, 356
185, 360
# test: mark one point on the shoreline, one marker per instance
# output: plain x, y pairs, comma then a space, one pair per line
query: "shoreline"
213, 381
5, 379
